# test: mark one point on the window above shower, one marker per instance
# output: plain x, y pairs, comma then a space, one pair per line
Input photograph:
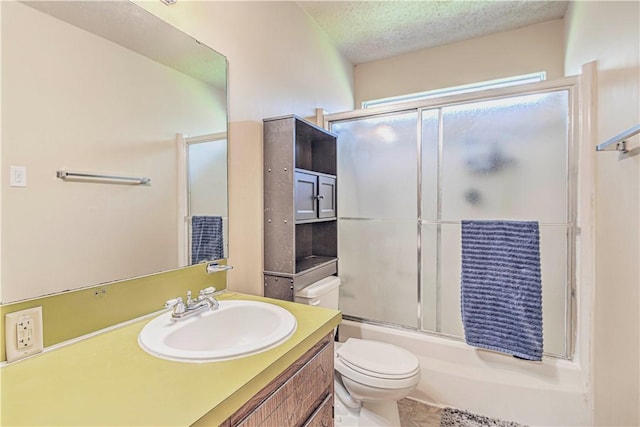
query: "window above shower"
458, 90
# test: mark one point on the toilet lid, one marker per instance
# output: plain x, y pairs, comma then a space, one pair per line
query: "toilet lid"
378, 359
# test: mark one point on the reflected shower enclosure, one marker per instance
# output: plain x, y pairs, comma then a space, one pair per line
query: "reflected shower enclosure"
407, 179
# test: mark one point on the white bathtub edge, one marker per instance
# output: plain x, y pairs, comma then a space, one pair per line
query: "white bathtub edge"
551, 392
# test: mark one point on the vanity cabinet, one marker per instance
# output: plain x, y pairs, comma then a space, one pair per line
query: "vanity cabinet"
300, 212
300, 396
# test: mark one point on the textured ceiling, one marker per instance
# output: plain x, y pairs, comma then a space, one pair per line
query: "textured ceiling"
368, 30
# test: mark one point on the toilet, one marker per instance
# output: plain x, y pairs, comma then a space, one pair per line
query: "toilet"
371, 376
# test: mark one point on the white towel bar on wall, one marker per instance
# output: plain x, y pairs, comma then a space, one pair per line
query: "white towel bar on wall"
62, 174
620, 140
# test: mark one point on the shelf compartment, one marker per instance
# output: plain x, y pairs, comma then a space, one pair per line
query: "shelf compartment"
315, 148
313, 262
316, 239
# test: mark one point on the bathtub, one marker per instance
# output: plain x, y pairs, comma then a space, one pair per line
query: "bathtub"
548, 393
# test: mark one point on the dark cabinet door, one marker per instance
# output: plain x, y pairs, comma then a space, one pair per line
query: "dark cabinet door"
326, 197
306, 191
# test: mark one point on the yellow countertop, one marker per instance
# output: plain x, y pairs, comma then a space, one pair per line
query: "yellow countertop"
109, 380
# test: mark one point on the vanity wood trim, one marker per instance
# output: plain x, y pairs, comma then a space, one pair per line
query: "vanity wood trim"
323, 417
267, 407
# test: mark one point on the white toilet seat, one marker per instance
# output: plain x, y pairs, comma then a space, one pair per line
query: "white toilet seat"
377, 364
378, 374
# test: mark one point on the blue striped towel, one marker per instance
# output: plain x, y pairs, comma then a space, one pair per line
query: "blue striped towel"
207, 242
501, 296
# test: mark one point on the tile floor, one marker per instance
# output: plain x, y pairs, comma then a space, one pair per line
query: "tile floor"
417, 414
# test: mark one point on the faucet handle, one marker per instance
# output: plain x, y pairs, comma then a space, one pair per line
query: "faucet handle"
206, 291
173, 302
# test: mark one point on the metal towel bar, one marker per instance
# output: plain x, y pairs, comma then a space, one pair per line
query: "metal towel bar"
62, 174
620, 140
446, 222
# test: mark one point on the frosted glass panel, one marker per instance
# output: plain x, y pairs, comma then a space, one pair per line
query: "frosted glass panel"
429, 278
377, 166
506, 159
377, 231
442, 265
430, 124
555, 279
378, 268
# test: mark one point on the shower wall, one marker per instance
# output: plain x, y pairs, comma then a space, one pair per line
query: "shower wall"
408, 178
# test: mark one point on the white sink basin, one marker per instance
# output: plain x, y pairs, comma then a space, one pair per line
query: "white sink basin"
235, 329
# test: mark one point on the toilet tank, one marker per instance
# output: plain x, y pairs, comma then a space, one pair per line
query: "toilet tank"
323, 293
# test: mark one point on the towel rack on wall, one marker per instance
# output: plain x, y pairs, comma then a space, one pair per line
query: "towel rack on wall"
62, 174
620, 140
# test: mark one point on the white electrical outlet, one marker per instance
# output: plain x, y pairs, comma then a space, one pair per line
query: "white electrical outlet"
23, 333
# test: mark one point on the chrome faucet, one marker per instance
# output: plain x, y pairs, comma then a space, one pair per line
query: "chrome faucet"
204, 301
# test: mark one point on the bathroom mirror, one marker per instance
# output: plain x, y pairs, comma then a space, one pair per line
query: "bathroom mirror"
100, 88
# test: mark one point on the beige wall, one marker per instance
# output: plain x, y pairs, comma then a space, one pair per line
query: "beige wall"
73, 100
525, 50
245, 207
280, 63
609, 32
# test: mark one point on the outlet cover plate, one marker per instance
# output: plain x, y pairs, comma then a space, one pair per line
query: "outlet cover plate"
31, 317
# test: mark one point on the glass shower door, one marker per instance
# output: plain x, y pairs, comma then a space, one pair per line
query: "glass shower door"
377, 229
407, 179
497, 159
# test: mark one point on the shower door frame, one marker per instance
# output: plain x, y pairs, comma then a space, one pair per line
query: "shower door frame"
567, 83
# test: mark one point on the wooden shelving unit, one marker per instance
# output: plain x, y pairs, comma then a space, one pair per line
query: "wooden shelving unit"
300, 222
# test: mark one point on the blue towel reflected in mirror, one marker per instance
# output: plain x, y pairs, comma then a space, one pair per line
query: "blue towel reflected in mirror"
207, 241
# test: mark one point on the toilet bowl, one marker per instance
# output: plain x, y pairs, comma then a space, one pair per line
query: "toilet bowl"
374, 371
371, 376
375, 375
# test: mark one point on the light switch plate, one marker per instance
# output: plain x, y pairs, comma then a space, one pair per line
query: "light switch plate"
17, 176
23, 333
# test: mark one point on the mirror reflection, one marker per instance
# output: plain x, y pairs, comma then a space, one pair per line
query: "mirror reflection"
206, 159
102, 88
